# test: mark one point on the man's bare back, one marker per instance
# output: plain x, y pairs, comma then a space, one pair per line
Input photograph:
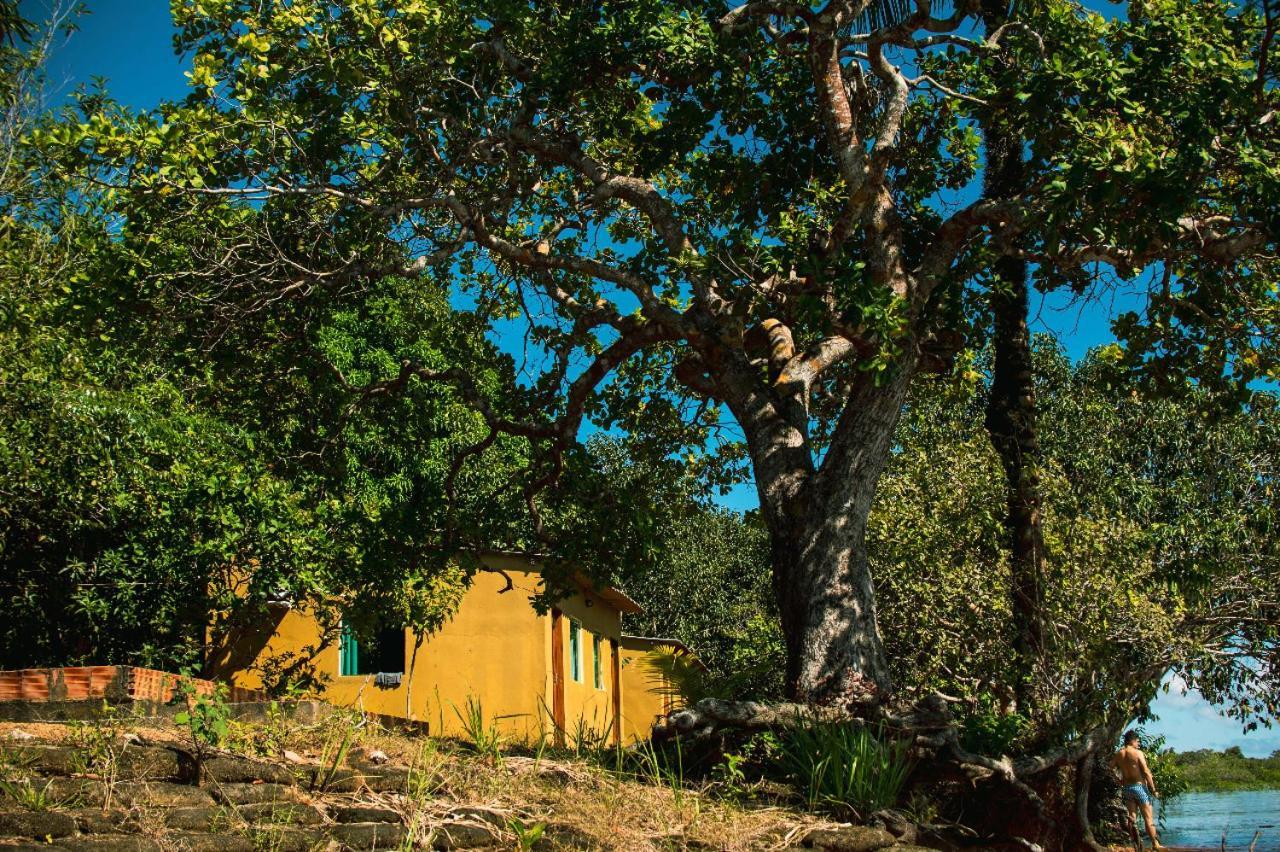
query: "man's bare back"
1138, 787
1131, 763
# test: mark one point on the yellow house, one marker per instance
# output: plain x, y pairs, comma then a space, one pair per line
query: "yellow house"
650, 694
533, 674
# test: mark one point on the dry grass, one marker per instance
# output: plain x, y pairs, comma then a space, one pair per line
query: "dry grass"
581, 803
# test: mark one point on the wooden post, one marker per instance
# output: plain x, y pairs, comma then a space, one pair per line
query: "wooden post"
617, 692
557, 676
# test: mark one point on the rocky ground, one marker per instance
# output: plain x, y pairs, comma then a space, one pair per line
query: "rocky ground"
121, 784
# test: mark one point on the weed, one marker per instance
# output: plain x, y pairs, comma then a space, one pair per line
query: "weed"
921, 808
261, 739
526, 835
590, 741
424, 780
729, 776
99, 743
331, 758
657, 767
845, 766
207, 717
30, 796
485, 737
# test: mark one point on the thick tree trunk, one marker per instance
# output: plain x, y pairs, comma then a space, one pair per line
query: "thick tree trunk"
1011, 407
822, 576
1011, 424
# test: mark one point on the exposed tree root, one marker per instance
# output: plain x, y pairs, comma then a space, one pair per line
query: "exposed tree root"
936, 735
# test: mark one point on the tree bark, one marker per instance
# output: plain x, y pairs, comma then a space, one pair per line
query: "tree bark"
1011, 408
817, 520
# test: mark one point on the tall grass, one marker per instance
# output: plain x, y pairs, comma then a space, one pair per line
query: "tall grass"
485, 737
842, 766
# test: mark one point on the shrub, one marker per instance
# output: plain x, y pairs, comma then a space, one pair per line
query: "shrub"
844, 766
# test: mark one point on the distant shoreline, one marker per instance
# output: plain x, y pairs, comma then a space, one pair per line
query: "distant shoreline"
1228, 771
1233, 788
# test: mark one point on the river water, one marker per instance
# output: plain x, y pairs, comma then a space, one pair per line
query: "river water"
1198, 820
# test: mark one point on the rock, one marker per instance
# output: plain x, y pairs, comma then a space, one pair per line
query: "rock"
361, 757
288, 839
119, 843
49, 760
325, 779
903, 829
161, 794
240, 770
98, 821
368, 835
193, 819
387, 780
463, 836
292, 756
220, 842
280, 813
36, 824
364, 813
153, 762
565, 836
87, 792
475, 814
19, 734
853, 838
251, 794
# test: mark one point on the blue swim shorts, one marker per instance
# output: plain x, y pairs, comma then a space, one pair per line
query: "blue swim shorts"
1136, 793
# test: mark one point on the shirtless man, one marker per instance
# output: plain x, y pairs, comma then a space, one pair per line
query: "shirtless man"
1138, 789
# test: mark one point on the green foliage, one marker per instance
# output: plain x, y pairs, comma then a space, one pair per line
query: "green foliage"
705, 579
1165, 770
160, 466
333, 754
207, 717
527, 834
1210, 771
988, 730
845, 767
30, 795
1133, 557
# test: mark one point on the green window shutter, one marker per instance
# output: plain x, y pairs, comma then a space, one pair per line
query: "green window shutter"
575, 651
348, 654
599, 664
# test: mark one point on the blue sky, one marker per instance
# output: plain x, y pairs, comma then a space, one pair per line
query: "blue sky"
129, 42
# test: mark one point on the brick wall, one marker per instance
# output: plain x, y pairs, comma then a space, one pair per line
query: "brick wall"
113, 683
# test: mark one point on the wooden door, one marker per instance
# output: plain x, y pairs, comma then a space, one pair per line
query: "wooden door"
617, 693
557, 675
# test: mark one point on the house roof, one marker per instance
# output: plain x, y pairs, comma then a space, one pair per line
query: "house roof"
631, 641
611, 595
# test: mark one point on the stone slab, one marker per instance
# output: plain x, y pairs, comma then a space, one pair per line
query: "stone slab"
36, 824
854, 838
280, 813
240, 770
463, 836
251, 794
365, 813
368, 835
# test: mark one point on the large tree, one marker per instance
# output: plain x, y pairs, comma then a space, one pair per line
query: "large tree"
761, 218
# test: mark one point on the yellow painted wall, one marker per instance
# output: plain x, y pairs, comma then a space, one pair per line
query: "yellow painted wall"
644, 690
496, 649
583, 701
